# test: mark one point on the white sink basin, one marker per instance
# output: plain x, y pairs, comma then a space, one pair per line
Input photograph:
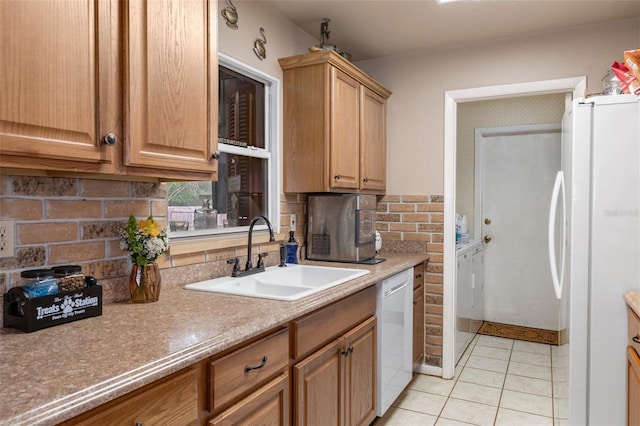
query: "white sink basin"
291, 283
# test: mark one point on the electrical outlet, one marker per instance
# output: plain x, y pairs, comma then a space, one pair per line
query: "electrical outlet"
7, 237
292, 222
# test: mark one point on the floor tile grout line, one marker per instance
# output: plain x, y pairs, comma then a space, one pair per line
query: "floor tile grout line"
504, 382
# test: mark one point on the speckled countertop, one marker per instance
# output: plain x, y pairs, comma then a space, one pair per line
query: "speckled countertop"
54, 374
632, 297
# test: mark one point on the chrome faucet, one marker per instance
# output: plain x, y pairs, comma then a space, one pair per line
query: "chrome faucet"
249, 269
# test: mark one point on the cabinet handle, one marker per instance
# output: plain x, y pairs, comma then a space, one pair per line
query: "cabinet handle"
365, 180
256, 367
109, 139
215, 155
636, 338
337, 177
346, 351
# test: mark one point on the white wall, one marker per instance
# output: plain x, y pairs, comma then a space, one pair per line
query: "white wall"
283, 37
415, 155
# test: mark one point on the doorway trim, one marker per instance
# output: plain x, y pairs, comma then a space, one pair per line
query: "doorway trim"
576, 85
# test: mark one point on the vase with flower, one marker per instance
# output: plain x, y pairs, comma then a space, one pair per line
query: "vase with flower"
145, 240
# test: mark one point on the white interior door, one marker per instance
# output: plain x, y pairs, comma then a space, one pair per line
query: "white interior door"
516, 168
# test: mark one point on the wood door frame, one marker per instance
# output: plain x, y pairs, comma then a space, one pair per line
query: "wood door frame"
576, 85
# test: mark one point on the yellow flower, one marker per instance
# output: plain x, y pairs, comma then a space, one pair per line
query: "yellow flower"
150, 227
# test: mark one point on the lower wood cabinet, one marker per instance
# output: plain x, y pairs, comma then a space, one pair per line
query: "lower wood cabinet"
319, 369
334, 384
418, 315
633, 369
269, 405
169, 401
633, 387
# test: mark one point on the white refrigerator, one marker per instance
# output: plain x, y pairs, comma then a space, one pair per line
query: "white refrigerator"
600, 257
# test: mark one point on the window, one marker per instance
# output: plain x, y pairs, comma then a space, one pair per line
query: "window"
248, 180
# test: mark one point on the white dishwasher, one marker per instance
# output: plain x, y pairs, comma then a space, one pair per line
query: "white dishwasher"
394, 309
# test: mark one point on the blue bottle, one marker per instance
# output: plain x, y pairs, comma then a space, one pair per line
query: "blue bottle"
291, 250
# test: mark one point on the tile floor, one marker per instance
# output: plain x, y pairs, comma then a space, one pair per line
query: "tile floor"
497, 382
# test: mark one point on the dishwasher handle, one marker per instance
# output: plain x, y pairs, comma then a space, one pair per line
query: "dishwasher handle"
394, 289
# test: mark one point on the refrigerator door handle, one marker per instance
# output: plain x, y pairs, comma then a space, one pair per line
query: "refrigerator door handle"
558, 187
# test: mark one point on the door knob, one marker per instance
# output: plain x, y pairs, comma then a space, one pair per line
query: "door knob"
487, 239
487, 221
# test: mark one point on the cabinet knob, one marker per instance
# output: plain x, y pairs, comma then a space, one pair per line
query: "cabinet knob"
109, 139
215, 155
487, 239
365, 180
337, 177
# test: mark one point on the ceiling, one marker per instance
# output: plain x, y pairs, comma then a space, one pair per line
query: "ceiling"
374, 28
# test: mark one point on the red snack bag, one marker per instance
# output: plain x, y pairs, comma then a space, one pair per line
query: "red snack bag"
628, 82
632, 61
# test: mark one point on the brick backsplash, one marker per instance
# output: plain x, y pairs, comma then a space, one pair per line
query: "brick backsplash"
415, 223
72, 220
69, 220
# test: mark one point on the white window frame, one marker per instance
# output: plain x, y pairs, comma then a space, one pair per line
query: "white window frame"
270, 152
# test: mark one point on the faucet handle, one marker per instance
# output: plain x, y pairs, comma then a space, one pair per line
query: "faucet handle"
236, 265
282, 255
260, 260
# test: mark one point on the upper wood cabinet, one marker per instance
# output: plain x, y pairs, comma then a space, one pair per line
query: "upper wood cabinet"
54, 84
110, 87
334, 126
171, 85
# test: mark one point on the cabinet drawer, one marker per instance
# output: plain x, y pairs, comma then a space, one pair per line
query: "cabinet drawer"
247, 368
318, 328
634, 329
169, 401
269, 405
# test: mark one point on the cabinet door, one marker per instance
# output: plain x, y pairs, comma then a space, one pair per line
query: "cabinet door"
373, 141
360, 405
50, 81
463, 300
633, 387
477, 285
268, 405
171, 85
344, 134
318, 383
418, 325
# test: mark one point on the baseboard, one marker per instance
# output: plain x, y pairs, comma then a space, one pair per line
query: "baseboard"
530, 334
430, 370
